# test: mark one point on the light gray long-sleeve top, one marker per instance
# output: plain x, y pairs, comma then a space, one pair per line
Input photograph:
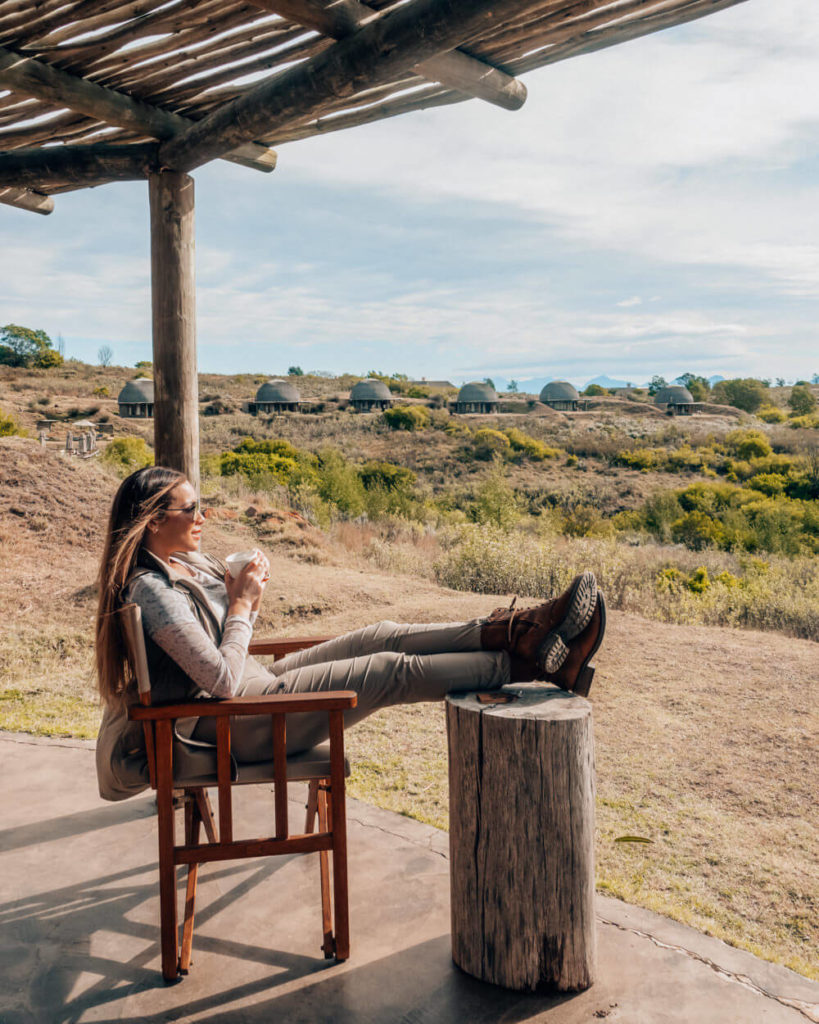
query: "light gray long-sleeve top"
168, 619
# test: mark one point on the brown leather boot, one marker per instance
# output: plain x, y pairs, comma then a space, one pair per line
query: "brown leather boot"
536, 638
576, 673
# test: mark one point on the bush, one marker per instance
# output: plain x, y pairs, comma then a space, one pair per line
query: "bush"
9, 426
698, 530
746, 393
530, 447
769, 483
407, 417
640, 458
386, 475
128, 454
101, 392
487, 443
804, 423
748, 444
495, 501
802, 400
771, 414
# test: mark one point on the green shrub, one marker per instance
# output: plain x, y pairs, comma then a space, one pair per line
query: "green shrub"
769, 483
748, 444
9, 426
339, 483
128, 454
495, 502
698, 530
641, 458
407, 417
804, 423
698, 581
487, 443
771, 414
530, 447
386, 475
802, 400
745, 393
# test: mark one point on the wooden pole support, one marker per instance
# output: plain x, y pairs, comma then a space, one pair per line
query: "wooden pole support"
521, 780
173, 292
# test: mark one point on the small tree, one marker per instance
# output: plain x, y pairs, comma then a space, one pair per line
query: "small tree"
746, 393
698, 386
105, 355
656, 383
490, 382
802, 400
512, 387
295, 371
22, 346
143, 364
593, 390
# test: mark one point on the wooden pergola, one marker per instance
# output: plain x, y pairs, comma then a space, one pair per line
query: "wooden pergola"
96, 91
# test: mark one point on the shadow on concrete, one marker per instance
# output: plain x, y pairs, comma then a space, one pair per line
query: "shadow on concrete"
51, 939
79, 823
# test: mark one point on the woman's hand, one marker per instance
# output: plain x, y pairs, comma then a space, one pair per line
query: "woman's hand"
245, 591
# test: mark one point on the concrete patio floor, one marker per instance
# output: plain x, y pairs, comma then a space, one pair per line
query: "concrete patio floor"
79, 937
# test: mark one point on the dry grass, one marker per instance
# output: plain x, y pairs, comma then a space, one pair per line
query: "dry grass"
706, 737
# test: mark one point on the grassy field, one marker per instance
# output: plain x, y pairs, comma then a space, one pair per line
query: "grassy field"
705, 733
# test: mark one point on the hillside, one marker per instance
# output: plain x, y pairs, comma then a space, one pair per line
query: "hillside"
706, 737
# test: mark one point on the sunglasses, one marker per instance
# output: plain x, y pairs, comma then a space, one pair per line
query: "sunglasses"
191, 510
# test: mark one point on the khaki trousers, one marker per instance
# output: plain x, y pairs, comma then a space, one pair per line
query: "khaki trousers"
386, 663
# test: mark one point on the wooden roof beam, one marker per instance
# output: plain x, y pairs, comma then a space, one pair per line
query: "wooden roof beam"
84, 166
384, 48
24, 199
29, 77
455, 70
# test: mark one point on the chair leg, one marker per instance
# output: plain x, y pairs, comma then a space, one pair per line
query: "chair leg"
206, 814
312, 806
167, 868
329, 944
193, 820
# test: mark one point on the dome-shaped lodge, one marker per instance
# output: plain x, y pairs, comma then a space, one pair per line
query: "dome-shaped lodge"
370, 394
277, 396
137, 398
560, 394
477, 397
675, 399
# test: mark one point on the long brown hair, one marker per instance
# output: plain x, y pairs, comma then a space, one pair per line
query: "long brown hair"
141, 497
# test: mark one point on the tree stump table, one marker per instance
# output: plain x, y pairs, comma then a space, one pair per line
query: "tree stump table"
521, 813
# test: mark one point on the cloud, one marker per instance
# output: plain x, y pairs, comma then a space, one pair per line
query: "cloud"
677, 171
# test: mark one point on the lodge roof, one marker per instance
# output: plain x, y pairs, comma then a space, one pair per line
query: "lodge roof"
137, 392
477, 391
104, 90
559, 391
276, 390
674, 394
370, 390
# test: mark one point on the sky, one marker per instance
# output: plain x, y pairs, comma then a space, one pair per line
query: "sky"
652, 209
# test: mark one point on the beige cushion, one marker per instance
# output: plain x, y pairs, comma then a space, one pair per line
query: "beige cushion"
309, 764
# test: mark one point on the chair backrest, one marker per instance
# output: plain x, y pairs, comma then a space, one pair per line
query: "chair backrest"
130, 616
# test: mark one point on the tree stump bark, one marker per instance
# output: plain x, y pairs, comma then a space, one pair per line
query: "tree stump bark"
521, 797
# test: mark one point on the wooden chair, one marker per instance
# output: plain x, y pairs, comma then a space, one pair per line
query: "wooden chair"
323, 768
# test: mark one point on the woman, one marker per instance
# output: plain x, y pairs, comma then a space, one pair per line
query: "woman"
198, 621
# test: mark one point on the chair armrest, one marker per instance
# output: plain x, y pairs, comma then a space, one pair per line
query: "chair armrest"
267, 704
286, 645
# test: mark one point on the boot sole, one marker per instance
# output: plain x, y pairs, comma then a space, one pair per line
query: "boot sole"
585, 676
554, 650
